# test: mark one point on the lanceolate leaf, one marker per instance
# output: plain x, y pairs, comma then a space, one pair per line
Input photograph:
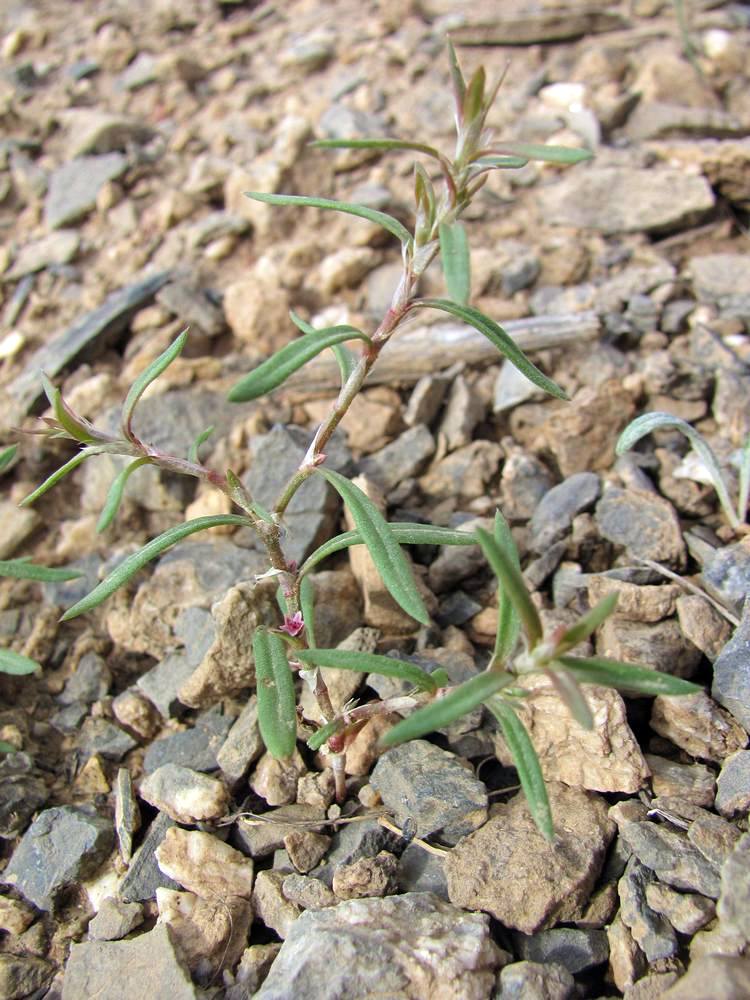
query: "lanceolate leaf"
116, 490
454, 252
508, 620
572, 696
382, 545
368, 663
346, 361
135, 562
527, 764
625, 676
585, 626
404, 532
195, 446
17, 664
443, 711
317, 739
59, 474
512, 584
75, 426
21, 569
277, 369
497, 336
499, 162
7, 455
392, 225
540, 151
307, 607
457, 78
657, 420
146, 377
277, 711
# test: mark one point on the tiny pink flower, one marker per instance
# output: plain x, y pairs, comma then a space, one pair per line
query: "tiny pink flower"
293, 624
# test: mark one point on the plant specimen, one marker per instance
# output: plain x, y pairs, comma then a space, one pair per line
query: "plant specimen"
282, 654
648, 422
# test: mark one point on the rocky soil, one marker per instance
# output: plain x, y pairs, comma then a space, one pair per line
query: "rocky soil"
150, 847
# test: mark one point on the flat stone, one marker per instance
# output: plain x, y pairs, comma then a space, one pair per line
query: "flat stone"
659, 645
162, 683
714, 837
507, 24
640, 603
509, 870
147, 965
94, 131
56, 248
144, 877
196, 747
733, 908
606, 758
205, 865
22, 791
712, 977
576, 950
422, 871
462, 412
73, 187
523, 483
242, 746
410, 945
401, 459
660, 120
702, 624
308, 893
627, 200
726, 574
185, 795
549, 980
672, 857
694, 782
192, 307
652, 932
63, 845
511, 388
645, 524
687, 912
696, 724
271, 905
115, 919
733, 784
731, 683
99, 736
466, 472
420, 781
721, 278
89, 682
24, 976
554, 515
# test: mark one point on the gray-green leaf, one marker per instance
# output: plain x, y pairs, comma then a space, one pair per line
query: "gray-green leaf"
625, 676
115, 493
498, 337
368, 663
17, 664
146, 377
508, 620
382, 545
541, 151
454, 252
512, 584
277, 703
21, 569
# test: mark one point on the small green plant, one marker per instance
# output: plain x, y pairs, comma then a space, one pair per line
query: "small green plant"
289, 650
656, 421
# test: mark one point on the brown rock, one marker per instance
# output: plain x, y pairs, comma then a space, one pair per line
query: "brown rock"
261, 837
711, 977
605, 759
636, 603
660, 645
582, 435
466, 472
254, 309
509, 870
702, 624
696, 724
627, 963
308, 893
205, 865
373, 419
366, 877
276, 780
645, 524
364, 750
694, 782
687, 912
270, 904
306, 848
136, 712
209, 935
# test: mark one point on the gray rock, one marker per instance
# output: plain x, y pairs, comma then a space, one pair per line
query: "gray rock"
22, 792
694, 782
93, 131
24, 976
90, 681
428, 394
456, 608
658, 120
575, 949
215, 226
653, 933
259, 839
644, 523
161, 683
627, 199
94, 332
420, 781
714, 837
458, 562
62, 845
733, 908
687, 912
534, 981
69, 719
422, 871
511, 388
142, 70
127, 814
147, 965
731, 683
144, 876
57, 248
401, 459
311, 516
674, 859
721, 278
242, 746
524, 482
726, 574
463, 411
554, 515
115, 919
505, 23
99, 736
733, 784
192, 307
196, 747
74, 186
410, 945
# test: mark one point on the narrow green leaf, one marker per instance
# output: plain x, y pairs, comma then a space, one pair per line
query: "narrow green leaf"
115, 493
588, 624
6, 747
56, 476
498, 163
17, 664
392, 225
498, 337
275, 370
508, 620
527, 764
649, 422
322, 736
386, 145
457, 79
404, 532
307, 607
7, 455
195, 446
444, 711
73, 425
277, 701
382, 545
146, 377
512, 584
239, 494
454, 251
541, 151
625, 676
137, 560
346, 361
572, 696
474, 96
21, 569
369, 663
